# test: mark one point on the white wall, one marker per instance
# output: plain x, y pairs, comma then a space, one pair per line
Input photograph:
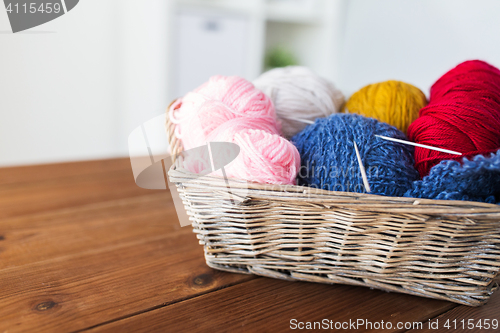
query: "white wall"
415, 41
74, 88
58, 92
145, 63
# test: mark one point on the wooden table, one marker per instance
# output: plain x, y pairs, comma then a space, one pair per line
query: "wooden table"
82, 248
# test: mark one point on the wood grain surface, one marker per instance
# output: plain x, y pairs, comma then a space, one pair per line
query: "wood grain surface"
82, 248
461, 318
27, 190
267, 305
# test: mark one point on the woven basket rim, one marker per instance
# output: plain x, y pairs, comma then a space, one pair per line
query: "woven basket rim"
378, 203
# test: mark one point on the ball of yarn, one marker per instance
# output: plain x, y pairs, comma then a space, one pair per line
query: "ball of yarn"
265, 158
393, 102
216, 102
328, 157
475, 180
463, 115
231, 109
299, 96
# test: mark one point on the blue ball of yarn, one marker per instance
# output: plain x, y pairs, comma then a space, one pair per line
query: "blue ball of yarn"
475, 180
329, 162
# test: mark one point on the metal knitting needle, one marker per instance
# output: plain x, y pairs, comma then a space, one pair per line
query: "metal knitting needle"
419, 145
362, 168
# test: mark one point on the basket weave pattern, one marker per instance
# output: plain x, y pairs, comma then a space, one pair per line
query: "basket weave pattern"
447, 250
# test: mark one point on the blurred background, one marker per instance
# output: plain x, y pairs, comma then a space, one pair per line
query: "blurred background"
74, 88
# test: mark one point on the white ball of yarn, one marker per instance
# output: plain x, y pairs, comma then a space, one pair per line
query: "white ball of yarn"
299, 96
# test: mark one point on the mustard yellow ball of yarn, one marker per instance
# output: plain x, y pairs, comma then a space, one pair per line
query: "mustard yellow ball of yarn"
393, 102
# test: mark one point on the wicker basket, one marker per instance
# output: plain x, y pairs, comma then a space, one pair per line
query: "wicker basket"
448, 250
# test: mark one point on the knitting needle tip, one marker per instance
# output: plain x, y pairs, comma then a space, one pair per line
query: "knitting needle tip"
418, 145
362, 169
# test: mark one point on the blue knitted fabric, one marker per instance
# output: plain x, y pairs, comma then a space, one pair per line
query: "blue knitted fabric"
475, 180
328, 158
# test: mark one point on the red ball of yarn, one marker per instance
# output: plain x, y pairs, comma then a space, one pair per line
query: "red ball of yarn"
463, 115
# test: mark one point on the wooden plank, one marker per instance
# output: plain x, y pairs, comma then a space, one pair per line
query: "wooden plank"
43, 236
43, 172
76, 291
46, 194
267, 305
455, 316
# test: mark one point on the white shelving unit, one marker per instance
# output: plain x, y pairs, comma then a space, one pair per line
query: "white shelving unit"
310, 29
293, 11
215, 37
231, 37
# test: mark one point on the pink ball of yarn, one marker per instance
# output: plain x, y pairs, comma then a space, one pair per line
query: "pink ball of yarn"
231, 109
264, 158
